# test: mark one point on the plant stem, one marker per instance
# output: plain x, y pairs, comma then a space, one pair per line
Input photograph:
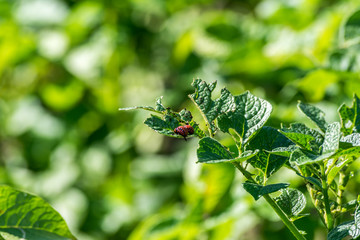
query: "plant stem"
328, 216
288, 223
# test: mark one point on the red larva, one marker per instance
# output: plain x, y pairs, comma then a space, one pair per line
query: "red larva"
184, 131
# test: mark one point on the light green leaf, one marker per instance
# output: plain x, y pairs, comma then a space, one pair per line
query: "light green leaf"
258, 191
249, 115
291, 201
159, 108
300, 157
332, 138
211, 151
350, 117
314, 114
211, 109
24, 216
267, 140
354, 139
304, 137
342, 158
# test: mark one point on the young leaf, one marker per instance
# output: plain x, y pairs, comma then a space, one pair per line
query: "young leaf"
291, 201
164, 126
314, 114
159, 108
350, 117
267, 140
343, 158
24, 216
304, 137
211, 109
249, 115
332, 138
211, 151
258, 191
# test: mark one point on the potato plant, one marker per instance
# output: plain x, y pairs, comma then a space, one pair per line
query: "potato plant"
319, 156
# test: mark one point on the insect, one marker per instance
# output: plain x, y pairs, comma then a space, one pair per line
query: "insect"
184, 131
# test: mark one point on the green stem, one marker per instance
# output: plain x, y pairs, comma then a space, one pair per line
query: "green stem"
288, 223
328, 216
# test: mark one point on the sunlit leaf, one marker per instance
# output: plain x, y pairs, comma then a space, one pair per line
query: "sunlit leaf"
291, 201
350, 117
314, 114
249, 115
24, 216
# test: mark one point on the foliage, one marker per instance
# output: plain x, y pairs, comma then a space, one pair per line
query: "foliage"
317, 155
67, 66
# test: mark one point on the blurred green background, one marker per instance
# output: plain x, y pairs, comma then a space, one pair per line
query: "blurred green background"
67, 66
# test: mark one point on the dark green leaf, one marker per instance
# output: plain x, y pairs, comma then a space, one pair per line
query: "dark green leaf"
291, 201
351, 29
316, 182
304, 137
258, 191
164, 126
332, 138
350, 117
211, 109
26, 216
354, 230
249, 115
314, 114
267, 140
211, 151
341, 231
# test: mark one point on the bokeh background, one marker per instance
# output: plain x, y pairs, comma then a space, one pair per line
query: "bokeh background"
66, 67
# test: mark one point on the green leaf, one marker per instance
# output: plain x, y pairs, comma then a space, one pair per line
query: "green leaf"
300, 157
350, 117
185, 115
332, 138
314, 114
304, 137
211, 109
354, 139
249, 115
342, 158
267, 140
159, 108
164, 126
258, 191
351, 30
291, 201
341, 231
211, 151
316, 182
354, 230
25, 216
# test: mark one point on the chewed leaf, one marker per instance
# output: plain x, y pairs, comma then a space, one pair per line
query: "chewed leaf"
314, 114
257, 191
304, 137
350, 117
250, 115
24, 216
159, 108
209, 108
164, 126
291, 201
211, 151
